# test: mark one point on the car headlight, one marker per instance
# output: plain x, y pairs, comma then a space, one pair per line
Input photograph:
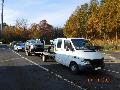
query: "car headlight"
31, 46
87, 62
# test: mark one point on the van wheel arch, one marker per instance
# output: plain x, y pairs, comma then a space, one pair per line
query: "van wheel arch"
74, 67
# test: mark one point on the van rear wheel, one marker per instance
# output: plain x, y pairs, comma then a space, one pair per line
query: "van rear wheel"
74, 67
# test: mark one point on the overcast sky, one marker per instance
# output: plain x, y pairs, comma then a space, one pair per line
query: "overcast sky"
56, 12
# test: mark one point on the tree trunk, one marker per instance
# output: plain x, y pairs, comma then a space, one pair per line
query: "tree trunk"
116, 41
116, 37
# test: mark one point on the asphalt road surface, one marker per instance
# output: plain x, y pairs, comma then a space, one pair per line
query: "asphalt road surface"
21, 72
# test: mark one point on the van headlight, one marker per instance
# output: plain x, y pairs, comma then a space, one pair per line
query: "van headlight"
86, 62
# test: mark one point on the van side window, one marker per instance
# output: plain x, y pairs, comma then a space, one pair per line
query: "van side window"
67, 45
59, 43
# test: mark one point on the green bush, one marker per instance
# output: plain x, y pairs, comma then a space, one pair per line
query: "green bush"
108, 47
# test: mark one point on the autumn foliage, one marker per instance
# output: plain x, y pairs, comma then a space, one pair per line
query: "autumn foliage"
21, 31
96, 20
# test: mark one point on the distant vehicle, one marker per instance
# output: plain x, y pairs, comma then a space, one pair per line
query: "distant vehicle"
34, 46
19, 47
13, 43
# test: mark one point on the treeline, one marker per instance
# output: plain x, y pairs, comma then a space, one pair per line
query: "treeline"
21, 31
95, 20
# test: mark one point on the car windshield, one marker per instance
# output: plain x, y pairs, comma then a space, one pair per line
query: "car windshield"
33, 41
38, 41
20, 44
81, 44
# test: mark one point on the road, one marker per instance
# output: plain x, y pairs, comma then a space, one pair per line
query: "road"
21, 72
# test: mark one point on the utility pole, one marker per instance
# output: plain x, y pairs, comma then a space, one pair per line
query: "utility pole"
2, 16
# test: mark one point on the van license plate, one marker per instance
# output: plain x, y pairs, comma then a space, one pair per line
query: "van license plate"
97, 68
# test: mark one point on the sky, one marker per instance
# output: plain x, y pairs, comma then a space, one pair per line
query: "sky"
56, 12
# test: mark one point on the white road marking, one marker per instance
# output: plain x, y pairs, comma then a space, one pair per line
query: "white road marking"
111, 65
7, 60
117, 72
108, 70
51, 72
59, 76
104, 69
112, 71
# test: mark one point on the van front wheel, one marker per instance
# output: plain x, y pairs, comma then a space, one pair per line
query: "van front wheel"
74, 68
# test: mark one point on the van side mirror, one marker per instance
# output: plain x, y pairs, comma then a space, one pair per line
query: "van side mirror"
67, 49
72, 49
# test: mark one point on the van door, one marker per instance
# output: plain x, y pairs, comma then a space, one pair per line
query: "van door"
58, 51
68, 52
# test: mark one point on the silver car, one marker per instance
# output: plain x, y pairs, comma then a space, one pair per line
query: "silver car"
19, 47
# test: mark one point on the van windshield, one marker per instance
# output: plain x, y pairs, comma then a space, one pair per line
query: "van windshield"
81, 44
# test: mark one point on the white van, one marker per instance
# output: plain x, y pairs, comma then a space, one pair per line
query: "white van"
77, 54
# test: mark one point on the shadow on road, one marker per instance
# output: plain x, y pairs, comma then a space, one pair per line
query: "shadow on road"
32, 77
92, 80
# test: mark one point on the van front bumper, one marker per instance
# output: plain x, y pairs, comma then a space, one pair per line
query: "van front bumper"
87, 67
93, 65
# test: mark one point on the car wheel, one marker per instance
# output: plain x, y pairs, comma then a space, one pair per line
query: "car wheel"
17, 50
44, 58
74, 68
14, 48
27, 53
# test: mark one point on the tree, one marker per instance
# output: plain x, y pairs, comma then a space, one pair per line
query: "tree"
46, 30
109, 19
34, 32
21, 29
92, 22
82, 18
70, 27
57, 32
22, 24
8, 33
76, 25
